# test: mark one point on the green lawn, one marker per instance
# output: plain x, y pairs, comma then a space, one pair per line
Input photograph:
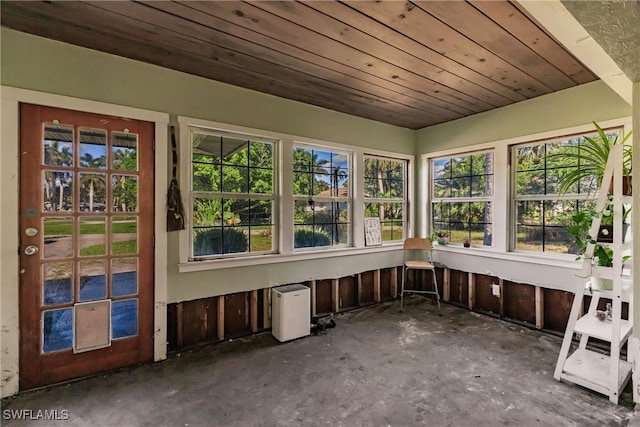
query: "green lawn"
118, 248
62, 227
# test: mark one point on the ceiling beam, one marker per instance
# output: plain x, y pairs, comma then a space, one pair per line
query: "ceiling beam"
555, 18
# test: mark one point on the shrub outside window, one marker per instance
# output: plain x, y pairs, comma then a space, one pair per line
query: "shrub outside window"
232, 197
461, 197
322, 197
385, 195
542, 215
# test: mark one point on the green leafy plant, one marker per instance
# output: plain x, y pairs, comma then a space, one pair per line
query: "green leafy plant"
579, 229
215, 241
308, 236
591, 155
439, 234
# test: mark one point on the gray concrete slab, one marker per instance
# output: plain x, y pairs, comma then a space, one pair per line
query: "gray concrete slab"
378, 367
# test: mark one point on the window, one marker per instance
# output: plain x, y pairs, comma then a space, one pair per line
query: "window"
385, 195
322, 197
462, 192
232, 197
542, 212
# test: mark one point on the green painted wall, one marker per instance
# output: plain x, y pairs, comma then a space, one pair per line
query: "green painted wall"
570, 107
40, 64
35, 63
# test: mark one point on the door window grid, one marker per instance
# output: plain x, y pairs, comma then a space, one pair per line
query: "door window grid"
66, 179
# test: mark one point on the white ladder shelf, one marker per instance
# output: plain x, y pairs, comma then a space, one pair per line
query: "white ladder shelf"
604, 373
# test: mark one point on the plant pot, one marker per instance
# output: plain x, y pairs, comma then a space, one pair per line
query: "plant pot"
603, 284
466, 243
626, 186
605, 233
442, 241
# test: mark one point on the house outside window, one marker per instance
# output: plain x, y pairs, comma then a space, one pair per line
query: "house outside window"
461, 197
541, 214
385, 195
232, 199
322, 197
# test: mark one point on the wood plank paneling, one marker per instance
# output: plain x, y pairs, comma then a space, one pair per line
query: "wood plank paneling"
470, 22
484, 299
385, 284
459, 287
410, 64
557, 306
324, 299
367, 288
520, 302
412, 21
172, 327
348, 292
516, 22
236, 315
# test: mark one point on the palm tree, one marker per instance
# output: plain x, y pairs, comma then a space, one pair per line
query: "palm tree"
92, 179
56, 155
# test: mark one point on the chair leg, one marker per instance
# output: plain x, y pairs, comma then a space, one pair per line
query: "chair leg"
435, 287
404, 278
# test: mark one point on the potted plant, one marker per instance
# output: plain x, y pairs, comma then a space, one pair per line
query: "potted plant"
592, 156
440, 236
602, 255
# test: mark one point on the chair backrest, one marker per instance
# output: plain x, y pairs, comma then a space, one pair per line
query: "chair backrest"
417, 243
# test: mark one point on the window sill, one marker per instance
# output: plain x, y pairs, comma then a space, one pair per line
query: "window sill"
560, 260
215, 264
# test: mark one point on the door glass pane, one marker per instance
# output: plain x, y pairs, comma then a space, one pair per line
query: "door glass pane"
124, 277
125, 193
124, 151
58, 241
57, 330
58, 283
93, 238
93, 192
93, 148
124, 318
124, 235
58, 145
93, 280
58, 191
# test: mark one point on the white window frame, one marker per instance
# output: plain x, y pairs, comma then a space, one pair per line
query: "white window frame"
398, 200
193, 194
348, 199
283, 191
503, 221
487, 199
555, 197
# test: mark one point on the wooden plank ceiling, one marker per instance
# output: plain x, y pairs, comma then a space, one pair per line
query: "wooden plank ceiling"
410, 64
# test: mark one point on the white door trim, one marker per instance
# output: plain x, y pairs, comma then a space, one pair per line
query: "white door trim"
10, 99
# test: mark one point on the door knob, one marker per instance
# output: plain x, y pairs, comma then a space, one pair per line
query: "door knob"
31, 250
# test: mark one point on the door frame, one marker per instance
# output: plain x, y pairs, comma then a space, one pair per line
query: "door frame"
9, 184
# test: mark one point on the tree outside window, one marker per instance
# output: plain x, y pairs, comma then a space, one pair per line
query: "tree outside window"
232, 194
322, 198
385, 195
462, 193
542, 212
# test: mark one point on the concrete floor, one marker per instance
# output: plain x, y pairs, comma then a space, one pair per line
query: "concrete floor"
378, 367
